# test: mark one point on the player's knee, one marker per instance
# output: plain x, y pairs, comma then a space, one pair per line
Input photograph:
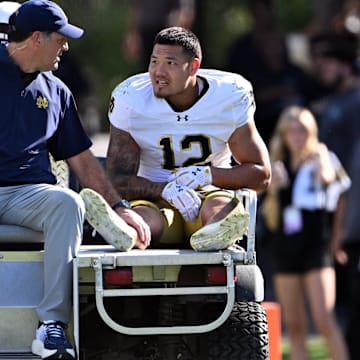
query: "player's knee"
153, 218
213, 206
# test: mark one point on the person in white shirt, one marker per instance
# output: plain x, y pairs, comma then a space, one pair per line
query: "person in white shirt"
307, 182
6, 9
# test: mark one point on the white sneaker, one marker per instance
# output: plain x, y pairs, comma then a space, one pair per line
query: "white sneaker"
106, 222
51, 342
223, 233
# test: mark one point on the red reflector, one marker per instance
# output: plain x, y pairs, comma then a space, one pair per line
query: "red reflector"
216, 275
118, 277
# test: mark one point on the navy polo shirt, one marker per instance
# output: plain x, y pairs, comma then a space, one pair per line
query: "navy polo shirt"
38, 115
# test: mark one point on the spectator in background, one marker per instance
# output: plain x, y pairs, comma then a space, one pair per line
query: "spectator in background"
6, 9
147, 18
336, 56
325, 15
346, 240
336, 16
306, 184
261, 56
74, 76
349, 19
340, 130
321, 90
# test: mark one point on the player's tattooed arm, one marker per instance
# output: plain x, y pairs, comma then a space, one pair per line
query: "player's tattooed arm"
122, 164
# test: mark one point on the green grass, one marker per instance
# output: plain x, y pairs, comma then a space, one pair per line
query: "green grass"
316, 347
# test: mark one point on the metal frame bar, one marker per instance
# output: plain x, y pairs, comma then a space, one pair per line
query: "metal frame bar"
104, 257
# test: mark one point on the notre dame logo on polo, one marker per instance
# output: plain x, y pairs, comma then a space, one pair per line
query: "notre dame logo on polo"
42, 103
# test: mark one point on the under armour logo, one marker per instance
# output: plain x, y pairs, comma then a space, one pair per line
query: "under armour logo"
112, 104
185, 118
195, 171
252, 99
179, 188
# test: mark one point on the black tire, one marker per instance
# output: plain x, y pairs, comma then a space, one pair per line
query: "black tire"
244, 336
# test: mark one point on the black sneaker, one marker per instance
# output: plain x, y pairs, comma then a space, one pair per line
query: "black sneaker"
51, 341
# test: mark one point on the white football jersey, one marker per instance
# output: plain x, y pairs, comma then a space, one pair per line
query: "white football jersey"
170, 139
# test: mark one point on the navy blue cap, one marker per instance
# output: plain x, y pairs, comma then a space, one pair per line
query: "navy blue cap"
42, 15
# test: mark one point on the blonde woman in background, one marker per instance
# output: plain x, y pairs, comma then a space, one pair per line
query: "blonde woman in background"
307, 181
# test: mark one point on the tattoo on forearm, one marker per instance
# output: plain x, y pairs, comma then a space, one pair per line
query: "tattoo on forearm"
123, 162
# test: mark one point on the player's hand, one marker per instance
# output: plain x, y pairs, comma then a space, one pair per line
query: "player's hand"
184, 199
193, 176
137, 222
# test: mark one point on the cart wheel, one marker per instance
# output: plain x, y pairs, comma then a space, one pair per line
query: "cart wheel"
244, 336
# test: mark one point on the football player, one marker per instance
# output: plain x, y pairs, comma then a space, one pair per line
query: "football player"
182, 141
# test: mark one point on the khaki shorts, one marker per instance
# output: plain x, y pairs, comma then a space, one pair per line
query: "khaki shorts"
176, 229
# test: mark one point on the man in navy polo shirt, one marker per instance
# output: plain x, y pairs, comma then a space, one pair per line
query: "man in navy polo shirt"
38, 117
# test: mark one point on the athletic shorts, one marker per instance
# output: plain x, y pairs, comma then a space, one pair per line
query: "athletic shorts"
177, 230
